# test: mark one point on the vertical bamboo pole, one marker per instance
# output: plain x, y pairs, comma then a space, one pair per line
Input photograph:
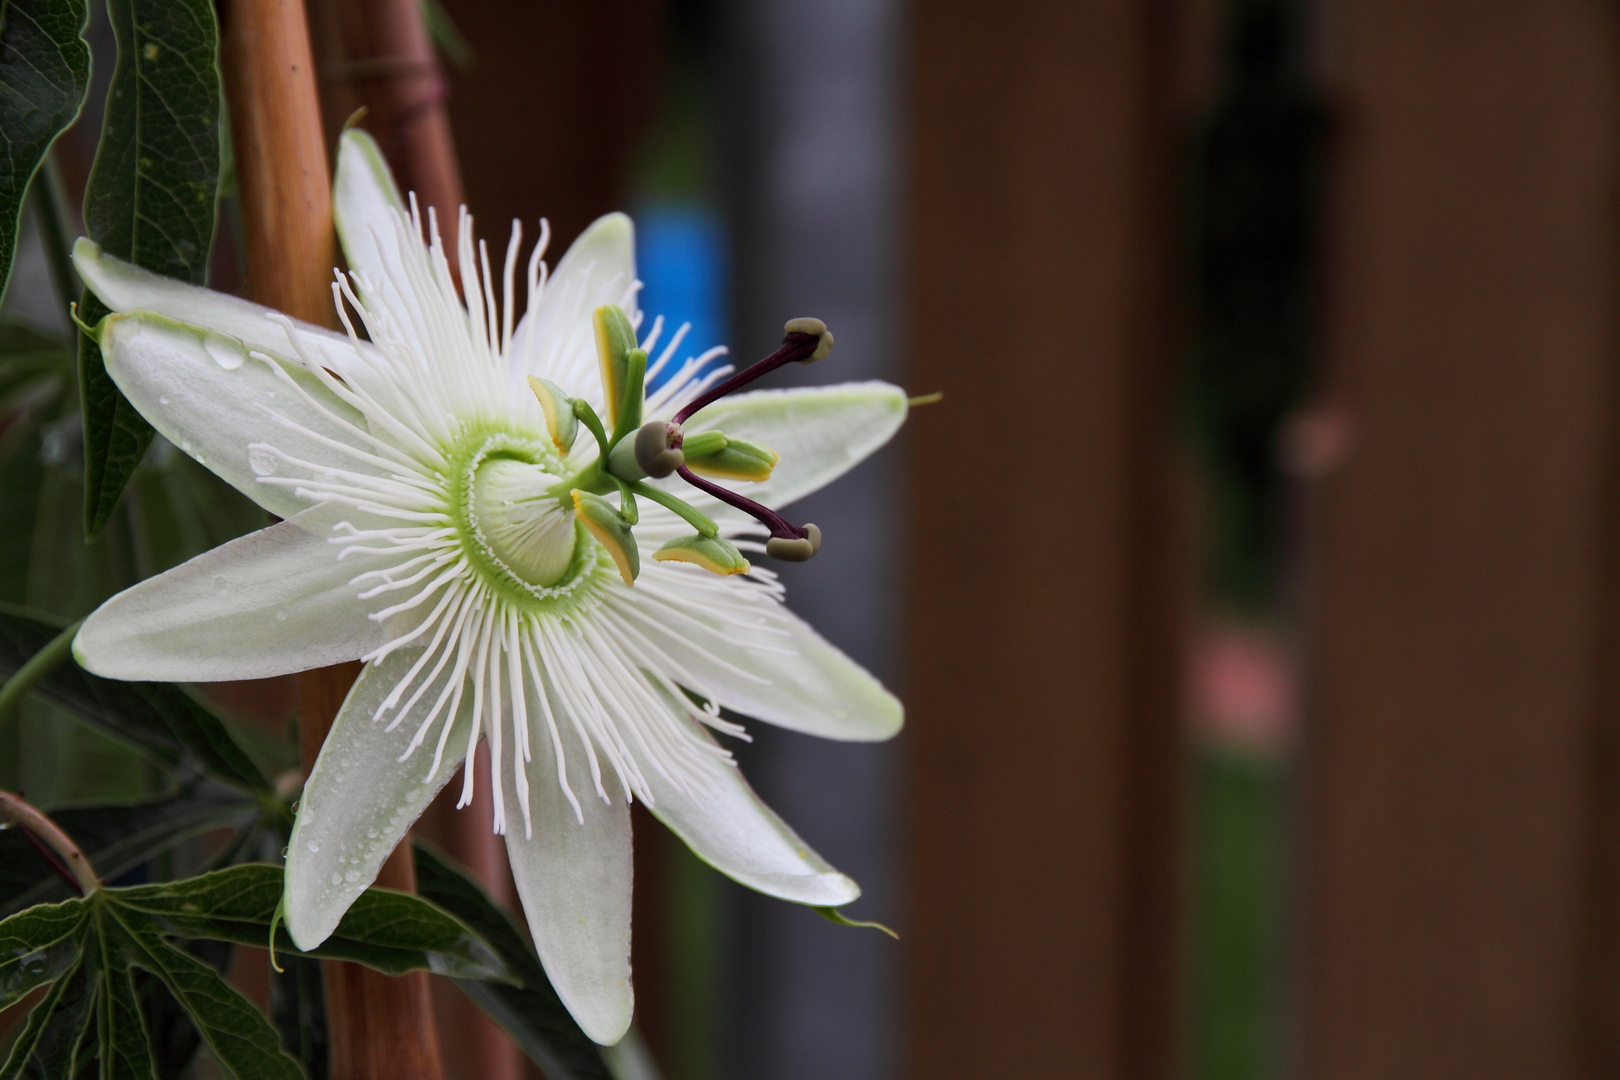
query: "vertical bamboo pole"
377, 54
380, 1027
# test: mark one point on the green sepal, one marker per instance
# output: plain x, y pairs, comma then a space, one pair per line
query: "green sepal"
833, 915
615, 341
561, 423
605, 523
721, 456
714, 553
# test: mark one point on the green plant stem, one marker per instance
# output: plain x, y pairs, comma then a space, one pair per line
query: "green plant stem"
39, 665
46, 197
25, 816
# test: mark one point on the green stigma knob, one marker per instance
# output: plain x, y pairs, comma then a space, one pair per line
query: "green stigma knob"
561, 423
711, 453
611, 529
713, 553
657, 448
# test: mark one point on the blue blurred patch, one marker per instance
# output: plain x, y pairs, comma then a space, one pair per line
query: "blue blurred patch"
680, 255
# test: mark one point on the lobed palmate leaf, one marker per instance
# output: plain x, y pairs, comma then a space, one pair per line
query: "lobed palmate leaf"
88, 952
389, 931
150, 200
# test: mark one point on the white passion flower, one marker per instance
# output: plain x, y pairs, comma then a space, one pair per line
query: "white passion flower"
513, 536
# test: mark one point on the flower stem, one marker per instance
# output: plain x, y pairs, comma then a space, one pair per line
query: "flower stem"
38, 666
42, 828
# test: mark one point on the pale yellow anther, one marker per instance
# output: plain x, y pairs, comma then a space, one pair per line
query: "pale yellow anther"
816, 328
561, 423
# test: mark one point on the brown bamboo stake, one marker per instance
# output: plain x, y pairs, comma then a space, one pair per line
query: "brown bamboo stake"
380, 1028
377, 54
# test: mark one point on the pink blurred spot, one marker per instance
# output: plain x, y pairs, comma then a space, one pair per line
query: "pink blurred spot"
1242, 687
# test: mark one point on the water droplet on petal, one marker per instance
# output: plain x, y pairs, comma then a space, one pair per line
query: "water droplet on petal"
227, 351
281, 616
313, 847
351, 876
162, 400
337, 878
261, 461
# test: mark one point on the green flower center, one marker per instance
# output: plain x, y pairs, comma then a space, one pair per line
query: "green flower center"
522, 540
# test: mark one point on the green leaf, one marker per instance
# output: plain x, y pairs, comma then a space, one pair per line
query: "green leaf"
239, 1035
112, 933
126, 1050
389, 931
89, 951
44, 73
118, 837
48, 1047
532, 1014
150, 200
38, 946
159, 719
173, 1036
115, 435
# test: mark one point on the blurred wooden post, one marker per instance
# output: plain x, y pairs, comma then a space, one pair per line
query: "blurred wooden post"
1045, 755
1461, 820
381, 1028
377, 54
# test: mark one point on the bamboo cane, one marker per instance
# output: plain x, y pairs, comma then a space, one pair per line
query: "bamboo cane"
380, 1028
377, 54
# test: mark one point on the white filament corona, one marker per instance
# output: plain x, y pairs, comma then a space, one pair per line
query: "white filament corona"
435, 367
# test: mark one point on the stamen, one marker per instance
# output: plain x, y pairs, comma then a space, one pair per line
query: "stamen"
781, 529
806, 341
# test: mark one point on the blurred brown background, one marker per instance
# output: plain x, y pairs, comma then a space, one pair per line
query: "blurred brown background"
1252, 590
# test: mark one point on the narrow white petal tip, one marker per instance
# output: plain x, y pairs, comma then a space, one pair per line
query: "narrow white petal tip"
307, 928
607, 1019
612, 225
